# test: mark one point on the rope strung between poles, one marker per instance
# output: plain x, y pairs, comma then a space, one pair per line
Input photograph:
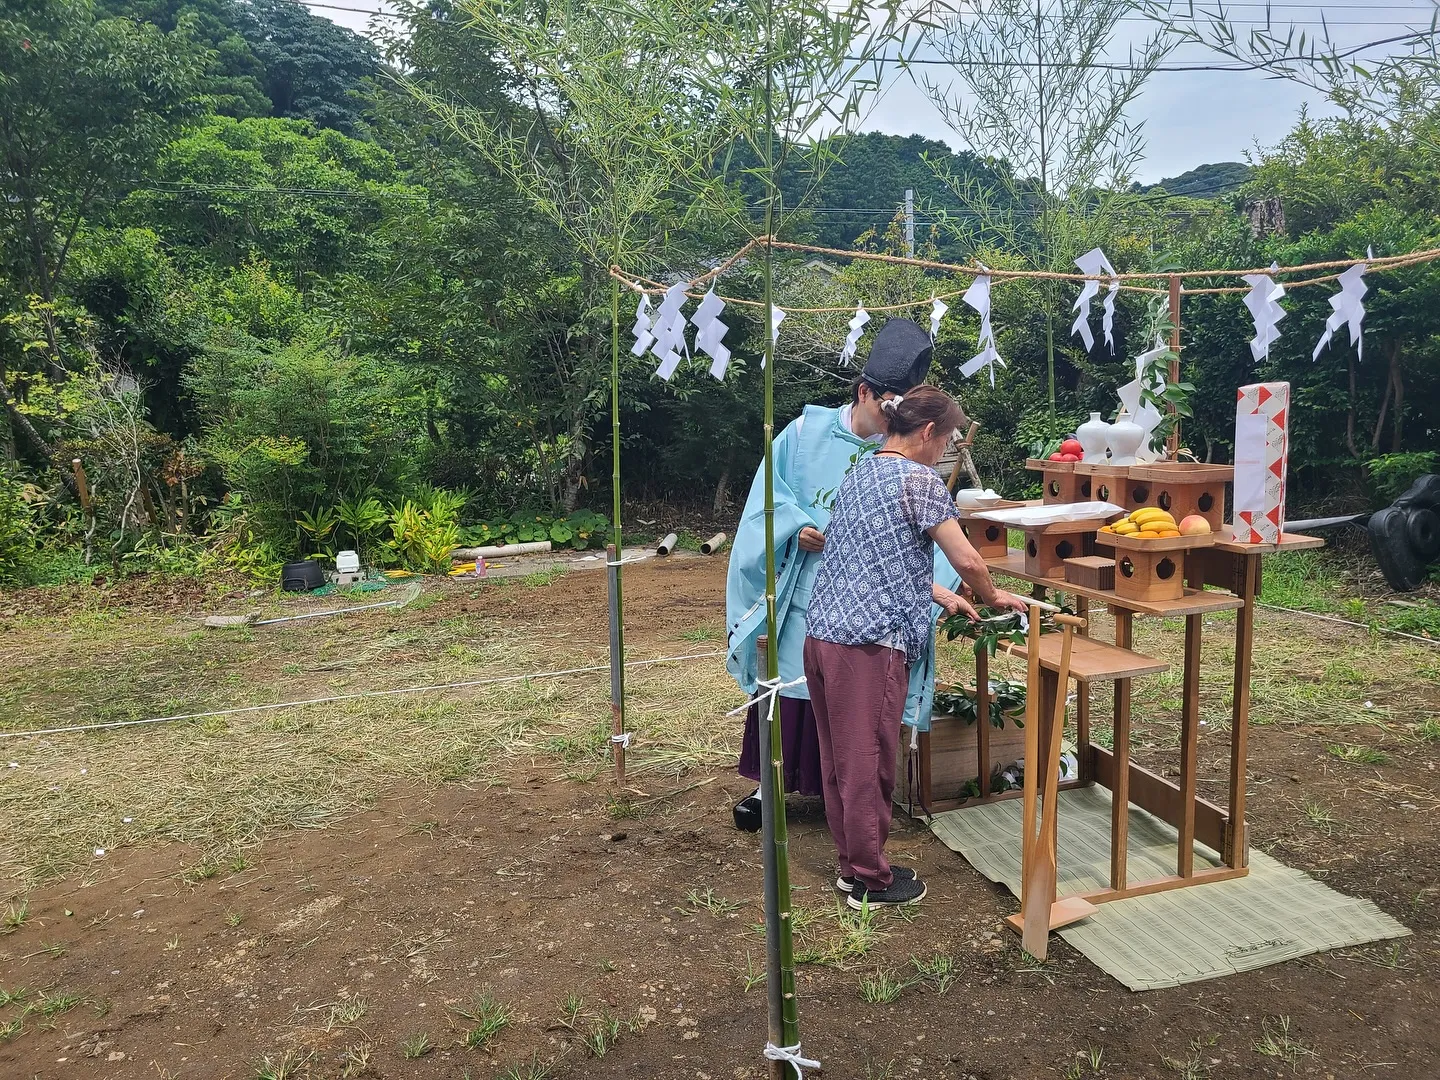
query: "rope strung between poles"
791, 1056
640, 283
352, 697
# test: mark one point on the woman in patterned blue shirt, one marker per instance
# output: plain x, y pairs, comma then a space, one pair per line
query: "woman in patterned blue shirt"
868, 620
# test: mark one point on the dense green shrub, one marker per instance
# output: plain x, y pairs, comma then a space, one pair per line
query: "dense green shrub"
17, 532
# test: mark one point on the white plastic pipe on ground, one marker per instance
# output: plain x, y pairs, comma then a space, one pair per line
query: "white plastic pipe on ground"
540, 547
667, 545
714, 544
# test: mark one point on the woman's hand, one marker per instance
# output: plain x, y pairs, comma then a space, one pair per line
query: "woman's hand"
811, 539
1008, 601
953, 603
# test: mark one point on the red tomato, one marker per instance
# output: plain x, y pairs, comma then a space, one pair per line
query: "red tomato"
1069, 457
1056, 457
1072, 446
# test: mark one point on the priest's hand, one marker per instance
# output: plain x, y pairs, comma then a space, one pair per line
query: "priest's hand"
811, 539
953, 603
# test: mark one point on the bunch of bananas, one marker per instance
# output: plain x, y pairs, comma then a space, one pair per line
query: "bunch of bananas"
1147, 523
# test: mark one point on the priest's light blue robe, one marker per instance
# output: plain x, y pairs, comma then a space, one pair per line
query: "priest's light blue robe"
812, 456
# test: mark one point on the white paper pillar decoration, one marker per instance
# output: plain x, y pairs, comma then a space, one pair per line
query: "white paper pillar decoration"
1348, 310
1107, 322
670, 330
776, 318
708, 332
978, 297
852, 339
938, 308
643, 338
1146, 415
1263, 302
1093, 262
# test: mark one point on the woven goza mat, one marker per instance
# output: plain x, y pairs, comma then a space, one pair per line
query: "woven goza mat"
1147, 942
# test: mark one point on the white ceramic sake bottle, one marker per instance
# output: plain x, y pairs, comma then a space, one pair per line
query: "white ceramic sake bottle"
1094, 436
1125, 439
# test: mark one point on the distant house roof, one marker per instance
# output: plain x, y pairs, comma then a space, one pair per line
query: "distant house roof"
829, 269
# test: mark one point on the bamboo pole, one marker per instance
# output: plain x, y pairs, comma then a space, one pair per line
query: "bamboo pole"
1172, 444
616, 552
784, 1026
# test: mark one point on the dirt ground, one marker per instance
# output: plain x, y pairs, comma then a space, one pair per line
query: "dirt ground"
529, 924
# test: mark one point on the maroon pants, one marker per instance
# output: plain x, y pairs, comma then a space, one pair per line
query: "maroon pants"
858, 694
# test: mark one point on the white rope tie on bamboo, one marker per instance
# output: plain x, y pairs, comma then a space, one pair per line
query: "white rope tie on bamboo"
791, 1056
772, 691
623, 739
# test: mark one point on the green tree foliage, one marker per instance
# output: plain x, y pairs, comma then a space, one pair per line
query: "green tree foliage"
233, 81
314, 69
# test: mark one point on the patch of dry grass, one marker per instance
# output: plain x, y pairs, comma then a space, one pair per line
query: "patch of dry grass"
222, 783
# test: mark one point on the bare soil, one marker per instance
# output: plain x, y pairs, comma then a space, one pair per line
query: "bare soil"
327, 949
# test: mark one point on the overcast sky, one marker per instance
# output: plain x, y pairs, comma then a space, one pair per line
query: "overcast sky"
1190, 118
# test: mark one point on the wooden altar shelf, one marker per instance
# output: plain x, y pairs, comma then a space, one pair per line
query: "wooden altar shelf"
1091, 660
1194, 602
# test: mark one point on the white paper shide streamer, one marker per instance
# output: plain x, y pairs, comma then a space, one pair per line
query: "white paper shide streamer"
670, 330
978, 297
643, 338
708, 332
1348, 310
1092, 264
938, 308
1263, 300
776, 318
852, 339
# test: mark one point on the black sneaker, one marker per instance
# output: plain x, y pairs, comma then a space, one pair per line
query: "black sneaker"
847, 885
747, 813
898, 894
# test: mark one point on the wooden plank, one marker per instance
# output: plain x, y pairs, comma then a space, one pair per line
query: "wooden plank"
1183, 472
1288, 542
1160, 797
1072, 909
1165, 884
1237, 851
1093, 661
1189, 747
1159, 543
1193, 602
1120, 784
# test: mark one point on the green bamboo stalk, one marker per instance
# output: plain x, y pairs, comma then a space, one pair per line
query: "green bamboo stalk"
617, 659
779, 941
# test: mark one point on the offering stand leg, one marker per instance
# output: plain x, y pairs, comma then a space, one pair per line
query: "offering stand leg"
1189, 746
1082, 702
982, 720
1120, 785
1238, 851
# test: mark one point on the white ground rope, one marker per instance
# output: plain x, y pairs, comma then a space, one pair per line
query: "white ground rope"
353, 697
791, 1055
772, 690
1432, 642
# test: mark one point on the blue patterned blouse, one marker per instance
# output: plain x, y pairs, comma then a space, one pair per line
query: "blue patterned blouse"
879, 561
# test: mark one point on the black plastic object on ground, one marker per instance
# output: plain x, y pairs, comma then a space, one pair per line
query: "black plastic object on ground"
1405, 536
301, 576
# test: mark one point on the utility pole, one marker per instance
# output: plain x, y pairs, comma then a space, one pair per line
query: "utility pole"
909, 223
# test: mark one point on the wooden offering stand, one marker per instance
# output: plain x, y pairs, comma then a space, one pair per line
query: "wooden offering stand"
1181, 487
1048, 546
1106, 483
1223, 564
1152, 569
1059, 481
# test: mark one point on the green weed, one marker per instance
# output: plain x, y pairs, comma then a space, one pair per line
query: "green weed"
711, 901
489, 1018
15, 917
1357, 754
882, 988
416, 1046
938, 971
291, 1066
534, 1069
1275, 1041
